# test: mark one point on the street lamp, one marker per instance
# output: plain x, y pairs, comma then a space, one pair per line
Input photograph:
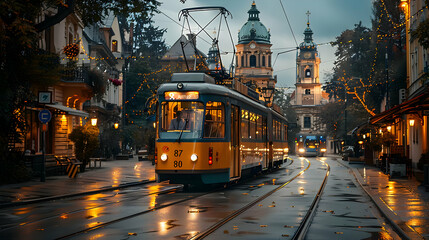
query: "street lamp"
94, 121
411, 122
116, 125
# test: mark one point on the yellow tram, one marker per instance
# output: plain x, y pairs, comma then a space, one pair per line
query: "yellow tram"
208, 133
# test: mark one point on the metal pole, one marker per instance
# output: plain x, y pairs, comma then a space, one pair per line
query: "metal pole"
43, 173
345, 115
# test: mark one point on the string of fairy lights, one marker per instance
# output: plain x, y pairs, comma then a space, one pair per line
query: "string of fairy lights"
367, 87
144, 84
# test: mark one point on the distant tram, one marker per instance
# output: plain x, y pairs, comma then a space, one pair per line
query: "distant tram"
208, 133
310, 145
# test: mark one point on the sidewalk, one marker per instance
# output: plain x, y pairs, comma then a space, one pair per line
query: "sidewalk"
112, 174
402, 201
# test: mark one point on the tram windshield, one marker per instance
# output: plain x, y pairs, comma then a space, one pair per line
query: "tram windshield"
184, 118
311, 143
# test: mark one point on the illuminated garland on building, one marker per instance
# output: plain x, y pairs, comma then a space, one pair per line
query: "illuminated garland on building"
71, 50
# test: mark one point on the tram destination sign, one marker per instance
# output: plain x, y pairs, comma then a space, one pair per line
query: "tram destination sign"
181, 95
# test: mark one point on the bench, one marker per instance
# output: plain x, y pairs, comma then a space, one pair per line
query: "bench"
95, 160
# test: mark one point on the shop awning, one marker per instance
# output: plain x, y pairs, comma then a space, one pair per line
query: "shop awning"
418, 103
68, 110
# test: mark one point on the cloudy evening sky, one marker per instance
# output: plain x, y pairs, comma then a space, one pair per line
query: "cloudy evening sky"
327, 20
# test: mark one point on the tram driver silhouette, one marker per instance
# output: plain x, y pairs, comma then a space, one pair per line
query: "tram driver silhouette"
178, 123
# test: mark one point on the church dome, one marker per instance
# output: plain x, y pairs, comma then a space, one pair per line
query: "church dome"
253, 29
308, 44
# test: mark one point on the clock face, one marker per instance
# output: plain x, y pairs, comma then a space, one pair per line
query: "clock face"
252, 45
307, 55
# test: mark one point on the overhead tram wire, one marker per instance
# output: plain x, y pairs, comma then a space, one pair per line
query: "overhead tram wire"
181, 26
291, 30
290, 27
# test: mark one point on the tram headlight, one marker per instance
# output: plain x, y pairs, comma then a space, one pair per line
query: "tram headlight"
194, 157
301, 150
323, 150
164, 157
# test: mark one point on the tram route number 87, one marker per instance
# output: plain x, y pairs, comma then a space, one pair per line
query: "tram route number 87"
178, 153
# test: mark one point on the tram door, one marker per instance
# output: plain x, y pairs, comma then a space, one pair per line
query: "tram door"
235, 140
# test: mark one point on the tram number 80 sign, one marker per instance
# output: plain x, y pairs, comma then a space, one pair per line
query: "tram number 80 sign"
178, 164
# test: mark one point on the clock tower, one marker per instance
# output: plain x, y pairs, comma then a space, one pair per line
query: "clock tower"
253, 56
308, 94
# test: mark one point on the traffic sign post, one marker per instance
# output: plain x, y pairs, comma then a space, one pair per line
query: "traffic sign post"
44, 117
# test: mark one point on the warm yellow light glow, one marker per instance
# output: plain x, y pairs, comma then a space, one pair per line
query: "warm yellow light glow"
116, 125
360, 142
94, 122
364, 136
404, 5
389, 128
301, 150
323, 150
367, 134
411, 122
380, 131
181, 95
154, 125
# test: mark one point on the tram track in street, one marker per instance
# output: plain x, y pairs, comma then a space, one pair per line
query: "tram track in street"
72, 195
305, 223
69, 213
159, 207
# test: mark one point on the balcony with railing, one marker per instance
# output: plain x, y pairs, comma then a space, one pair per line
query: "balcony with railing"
75, 75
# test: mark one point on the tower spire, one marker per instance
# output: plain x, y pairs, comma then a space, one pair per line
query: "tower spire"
308, 18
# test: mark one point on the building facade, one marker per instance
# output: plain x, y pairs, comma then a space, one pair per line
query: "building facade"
308, 96
408, 121
81, 55
253, 56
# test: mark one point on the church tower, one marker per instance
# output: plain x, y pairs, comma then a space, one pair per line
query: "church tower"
308, 94
253, 56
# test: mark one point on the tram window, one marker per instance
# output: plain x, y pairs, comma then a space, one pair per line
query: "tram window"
277, 130
252, 125
259, 130
244, 124
214, 124
285, 133
182, 116
264, 128
274, 129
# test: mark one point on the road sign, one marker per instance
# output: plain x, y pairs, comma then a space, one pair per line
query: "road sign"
45, 116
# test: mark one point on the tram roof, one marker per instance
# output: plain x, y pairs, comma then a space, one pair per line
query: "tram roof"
214, 89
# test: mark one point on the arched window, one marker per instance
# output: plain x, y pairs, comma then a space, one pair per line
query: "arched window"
307, 91
236, 61
263, 61
114, 46
307, 73
252, 61
242, 61
269, 61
